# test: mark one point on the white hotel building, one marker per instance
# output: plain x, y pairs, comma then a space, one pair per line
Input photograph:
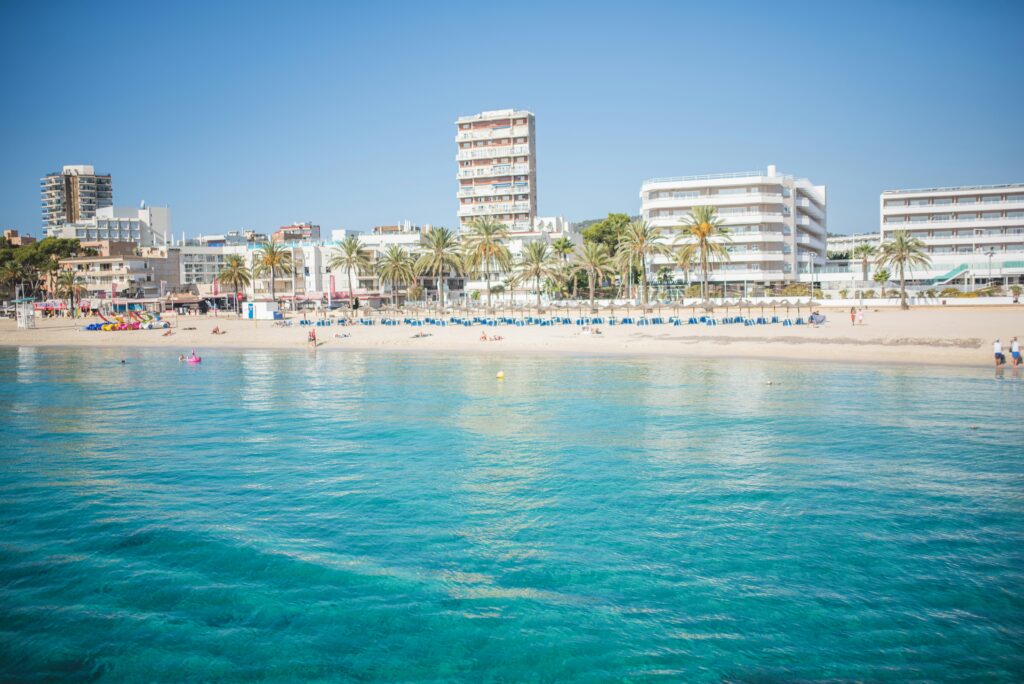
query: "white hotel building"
973, 233
777, 223
497, 168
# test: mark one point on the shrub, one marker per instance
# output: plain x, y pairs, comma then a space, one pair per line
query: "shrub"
843, 293
869, 294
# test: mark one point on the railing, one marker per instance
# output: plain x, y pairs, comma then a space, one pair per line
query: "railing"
708, 176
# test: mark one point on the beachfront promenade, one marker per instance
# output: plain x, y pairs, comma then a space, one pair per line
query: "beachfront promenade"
959, 336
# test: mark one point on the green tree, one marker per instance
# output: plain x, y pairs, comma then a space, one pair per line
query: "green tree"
563, 248
902, 253
640, 240
236, 275
881, 277
864, 251
273, 259
607, 231
595, 260
439, 254
349, 256
69, 286
536, 263
485, 250
704, 241
396, 268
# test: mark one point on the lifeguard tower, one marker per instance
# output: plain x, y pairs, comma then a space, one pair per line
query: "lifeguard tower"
24, 309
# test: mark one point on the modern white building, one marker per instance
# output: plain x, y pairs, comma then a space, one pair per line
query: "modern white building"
497, 167
973, 233
777, 222
75, 194
840, 244
146, 226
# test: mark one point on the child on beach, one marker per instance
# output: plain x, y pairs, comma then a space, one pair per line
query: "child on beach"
853, 315
860, 317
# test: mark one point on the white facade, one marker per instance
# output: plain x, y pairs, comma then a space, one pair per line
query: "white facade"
847, 243
146, 227
971, 233
777, 223
497, 167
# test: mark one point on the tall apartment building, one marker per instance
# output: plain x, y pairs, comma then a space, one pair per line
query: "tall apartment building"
777, 223
971, 232
497, 167
74, 195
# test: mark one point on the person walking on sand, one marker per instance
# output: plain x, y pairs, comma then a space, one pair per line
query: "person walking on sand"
1015, 351
997, 350
860, 317
853, 315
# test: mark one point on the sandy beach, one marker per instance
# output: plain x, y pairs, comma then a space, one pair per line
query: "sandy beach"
933, 335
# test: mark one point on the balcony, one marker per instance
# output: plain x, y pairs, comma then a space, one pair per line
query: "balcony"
492, 133
493, 191
811, 208
940, 225
806, 240
482, 209
491, 152
712, 200
494, 170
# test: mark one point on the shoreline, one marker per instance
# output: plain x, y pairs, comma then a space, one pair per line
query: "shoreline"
919, 337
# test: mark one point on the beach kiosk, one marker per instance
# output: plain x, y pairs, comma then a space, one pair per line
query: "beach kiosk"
262, 310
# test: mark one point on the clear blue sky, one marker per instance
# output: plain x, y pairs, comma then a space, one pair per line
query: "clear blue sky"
258, 114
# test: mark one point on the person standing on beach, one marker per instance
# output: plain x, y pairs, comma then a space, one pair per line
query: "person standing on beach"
860, 317
1015, 351
997, 350
853, 315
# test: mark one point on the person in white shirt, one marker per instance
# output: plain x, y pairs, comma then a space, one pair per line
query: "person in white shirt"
997, 348
1015, 351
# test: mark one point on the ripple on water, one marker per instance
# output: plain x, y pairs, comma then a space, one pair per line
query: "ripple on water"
399, 518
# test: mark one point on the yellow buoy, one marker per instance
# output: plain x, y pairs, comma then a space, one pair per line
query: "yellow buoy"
500, 375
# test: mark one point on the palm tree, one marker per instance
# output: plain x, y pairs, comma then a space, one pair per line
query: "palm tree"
596, 261
348, 256
11, 274
864, 251
536, 262
235, 274
485, 249
901, 253
638, 241
704, 241
439, 254
511, 280
563, 248
881, 277
69, 285
272, 258
396, 268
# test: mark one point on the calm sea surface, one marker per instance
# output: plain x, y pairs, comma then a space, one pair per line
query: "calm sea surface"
357, 517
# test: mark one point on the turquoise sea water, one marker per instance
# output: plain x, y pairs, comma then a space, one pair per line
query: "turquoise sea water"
277, 516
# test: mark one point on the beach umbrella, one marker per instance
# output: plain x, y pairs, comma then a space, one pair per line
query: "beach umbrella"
784, 302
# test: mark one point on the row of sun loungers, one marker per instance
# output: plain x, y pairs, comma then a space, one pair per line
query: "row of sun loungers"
467, 321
